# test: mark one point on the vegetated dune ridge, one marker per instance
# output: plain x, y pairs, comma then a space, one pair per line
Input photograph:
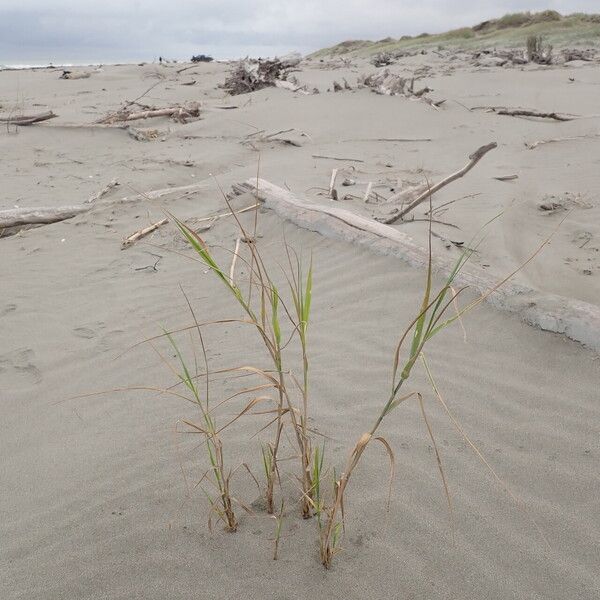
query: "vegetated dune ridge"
93, 500
578, 29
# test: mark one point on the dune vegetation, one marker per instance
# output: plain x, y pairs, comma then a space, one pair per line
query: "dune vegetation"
511, 30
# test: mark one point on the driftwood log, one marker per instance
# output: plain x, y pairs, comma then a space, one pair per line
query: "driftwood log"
431, 189
14, 217
29, 119
180, 114
578, 320
44, 215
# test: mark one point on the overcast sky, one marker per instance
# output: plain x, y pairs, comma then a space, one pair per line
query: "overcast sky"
42, 31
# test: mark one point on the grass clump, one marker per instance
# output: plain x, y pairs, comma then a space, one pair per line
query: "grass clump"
271, 313
264, 308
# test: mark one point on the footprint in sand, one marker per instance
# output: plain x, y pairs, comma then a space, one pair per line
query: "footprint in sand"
20, 363
84, 332
8, 309
88, 333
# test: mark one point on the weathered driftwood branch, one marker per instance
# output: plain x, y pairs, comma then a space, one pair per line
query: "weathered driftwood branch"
29, 119
579, 321
177, 113
43, 215
134, 237
534, 113
523, 112
533, 145
98, 195
473, 160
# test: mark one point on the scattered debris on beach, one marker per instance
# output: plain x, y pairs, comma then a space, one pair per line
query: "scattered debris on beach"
390, 84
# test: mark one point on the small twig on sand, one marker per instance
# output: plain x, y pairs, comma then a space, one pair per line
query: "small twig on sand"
332, 191
337, 158
153, 267
534, 113
234, 260
523, 112
506, 177
134, 237
368, 191
102, 192
532, 145
443, 205
473, 160
389, 140
227, 214
134, 101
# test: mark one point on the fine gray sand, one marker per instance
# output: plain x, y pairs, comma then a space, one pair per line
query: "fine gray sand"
97, 496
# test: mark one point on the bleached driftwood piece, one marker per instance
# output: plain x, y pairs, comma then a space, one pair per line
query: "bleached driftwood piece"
43, 215
194, 187
332, 191
473, 160
233, 261
533, 145
134, 237
29, 119
577, 320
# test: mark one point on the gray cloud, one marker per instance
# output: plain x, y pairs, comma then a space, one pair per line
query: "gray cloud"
36, 31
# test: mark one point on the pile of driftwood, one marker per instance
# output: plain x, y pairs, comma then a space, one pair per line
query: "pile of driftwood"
179, 113
570, 54
250, 75
383, 59
499, 58
390, 84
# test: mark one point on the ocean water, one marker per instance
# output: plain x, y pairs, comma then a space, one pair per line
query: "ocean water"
11, 66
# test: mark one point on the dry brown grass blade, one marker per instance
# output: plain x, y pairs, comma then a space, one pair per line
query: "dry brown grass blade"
438, 460
392, 458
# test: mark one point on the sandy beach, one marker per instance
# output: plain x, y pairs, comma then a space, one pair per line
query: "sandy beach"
98, 493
